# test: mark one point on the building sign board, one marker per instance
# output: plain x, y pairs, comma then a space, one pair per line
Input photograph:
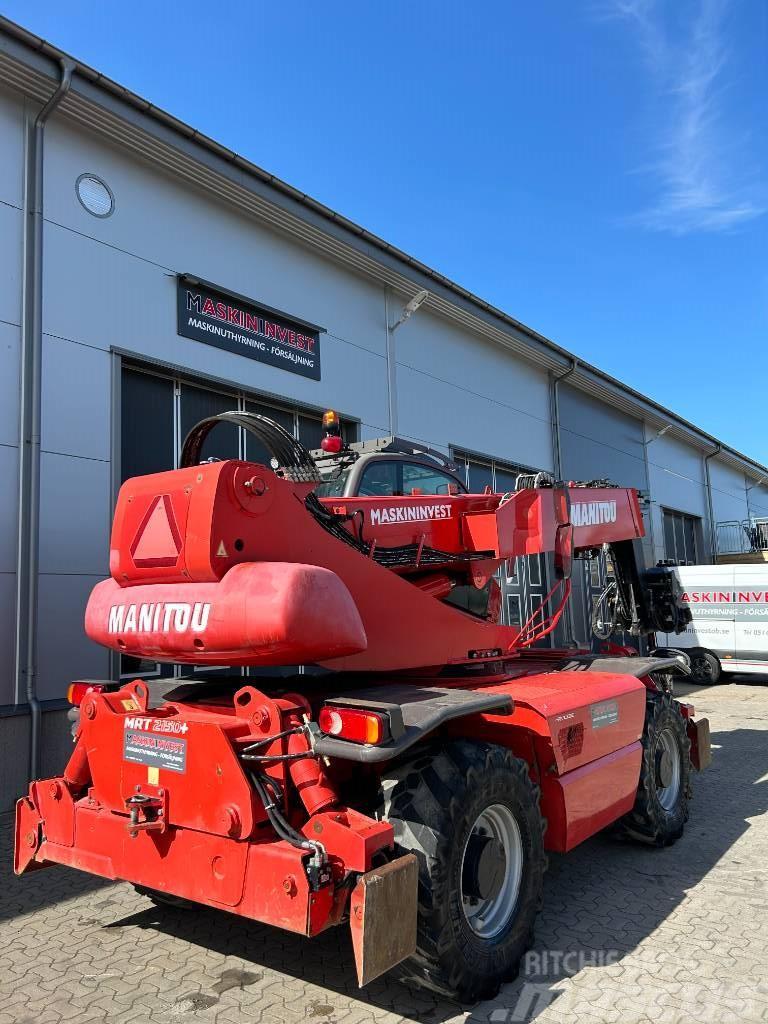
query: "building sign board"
231, 322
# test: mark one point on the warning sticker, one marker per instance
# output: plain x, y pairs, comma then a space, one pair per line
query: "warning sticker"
605, 713
155, 751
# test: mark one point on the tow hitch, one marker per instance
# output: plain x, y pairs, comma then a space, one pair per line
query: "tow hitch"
148, 813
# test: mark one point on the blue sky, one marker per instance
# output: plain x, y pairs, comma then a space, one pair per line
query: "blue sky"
597, 169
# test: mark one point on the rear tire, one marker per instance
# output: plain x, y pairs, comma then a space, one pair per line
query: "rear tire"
164, 899
470, 813
664, 790
705, 667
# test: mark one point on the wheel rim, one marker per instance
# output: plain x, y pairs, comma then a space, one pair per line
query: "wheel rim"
491, 871
702, 668
668, 755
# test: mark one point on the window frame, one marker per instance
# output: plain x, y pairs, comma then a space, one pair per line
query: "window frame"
673, 521
377, 463
240, 398
428, 469
463, 457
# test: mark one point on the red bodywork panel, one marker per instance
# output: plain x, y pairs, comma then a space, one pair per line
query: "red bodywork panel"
580, 731
268, 613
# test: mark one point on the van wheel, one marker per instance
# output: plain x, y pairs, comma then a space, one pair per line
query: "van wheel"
470, 813
705, 667
664, 788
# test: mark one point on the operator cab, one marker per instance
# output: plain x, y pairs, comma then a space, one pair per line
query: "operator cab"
385, 467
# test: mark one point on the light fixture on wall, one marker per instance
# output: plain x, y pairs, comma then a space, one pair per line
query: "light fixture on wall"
658, 434
410, 308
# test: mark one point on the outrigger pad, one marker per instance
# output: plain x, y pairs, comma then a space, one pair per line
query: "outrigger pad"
382, 917
27, 836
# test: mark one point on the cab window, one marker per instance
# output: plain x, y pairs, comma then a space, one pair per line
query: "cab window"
379, 478
420, 479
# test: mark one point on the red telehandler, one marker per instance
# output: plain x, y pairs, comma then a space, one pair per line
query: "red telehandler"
411, 780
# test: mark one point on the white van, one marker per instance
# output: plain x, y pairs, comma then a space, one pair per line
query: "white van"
729, 630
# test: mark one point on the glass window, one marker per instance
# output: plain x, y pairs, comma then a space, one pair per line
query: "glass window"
379, 478
689, 534
479, 477
310, 431
255, 451
680, 537
333, 483
669, 535
534, 570
505, 480
223, 442
419, 479
481, 473
594, 573
514, 614
146, 430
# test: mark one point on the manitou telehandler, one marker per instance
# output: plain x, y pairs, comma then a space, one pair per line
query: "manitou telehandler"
411, 780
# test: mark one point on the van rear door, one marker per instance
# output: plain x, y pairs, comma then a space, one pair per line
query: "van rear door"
751, 618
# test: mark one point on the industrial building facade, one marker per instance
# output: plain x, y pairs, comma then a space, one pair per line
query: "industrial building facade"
150, 277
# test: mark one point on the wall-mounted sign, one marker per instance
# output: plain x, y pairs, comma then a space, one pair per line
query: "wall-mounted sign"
230, 321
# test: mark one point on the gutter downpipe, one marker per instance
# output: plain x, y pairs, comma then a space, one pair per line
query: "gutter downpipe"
28, 557
558, 458
710, 504
556, 449
391, 369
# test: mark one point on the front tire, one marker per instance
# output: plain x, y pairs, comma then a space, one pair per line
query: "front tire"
470, 813
705, 667
664, 790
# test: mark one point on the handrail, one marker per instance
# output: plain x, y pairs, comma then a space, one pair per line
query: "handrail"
741, 537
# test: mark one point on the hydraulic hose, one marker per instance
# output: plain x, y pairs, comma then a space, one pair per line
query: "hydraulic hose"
281, 826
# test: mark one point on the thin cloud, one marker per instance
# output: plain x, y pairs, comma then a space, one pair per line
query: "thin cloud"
698, 163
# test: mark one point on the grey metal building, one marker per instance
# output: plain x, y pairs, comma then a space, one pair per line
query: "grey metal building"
149, 277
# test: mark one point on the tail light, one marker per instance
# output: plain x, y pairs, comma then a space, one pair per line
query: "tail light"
76, 691
353, 724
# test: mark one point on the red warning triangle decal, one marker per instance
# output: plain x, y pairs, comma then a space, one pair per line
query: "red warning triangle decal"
157, 540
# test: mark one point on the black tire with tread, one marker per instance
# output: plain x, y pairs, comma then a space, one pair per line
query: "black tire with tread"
165, 899
433, 801
705, 667
648, 822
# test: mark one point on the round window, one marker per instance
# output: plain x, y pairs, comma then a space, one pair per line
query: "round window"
95, 195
